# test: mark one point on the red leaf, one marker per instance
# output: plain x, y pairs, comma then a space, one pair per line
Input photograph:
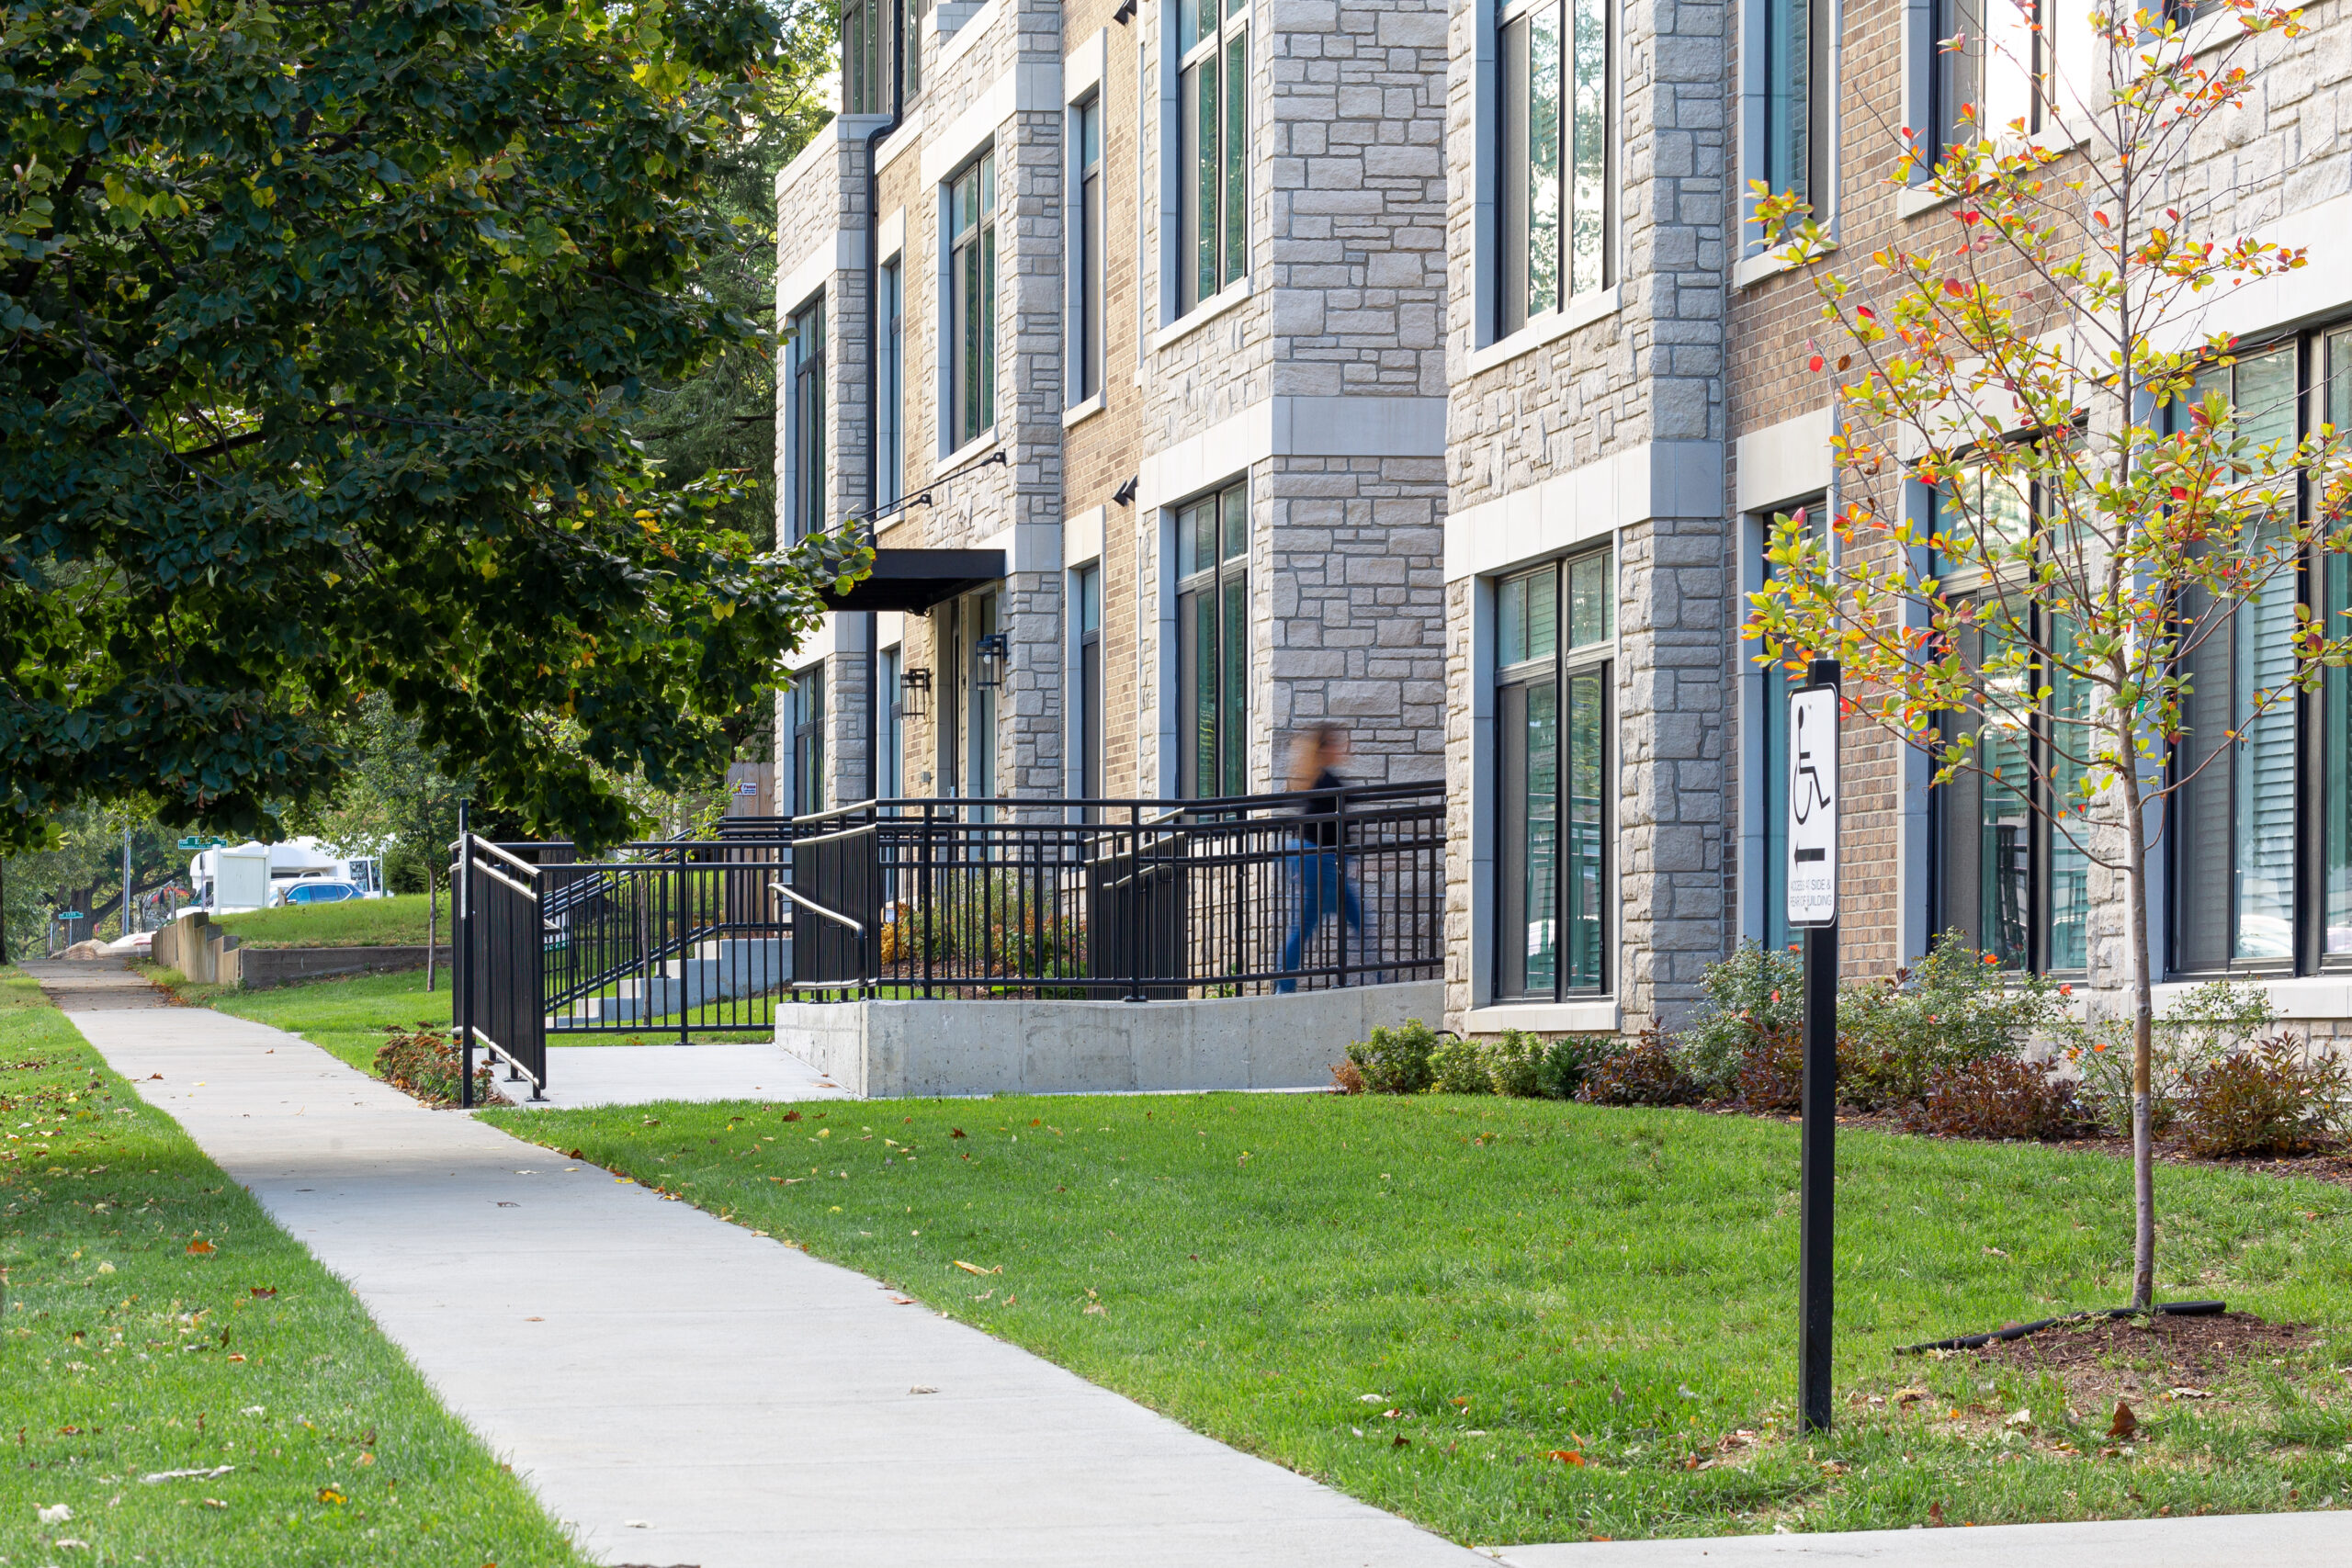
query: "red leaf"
1814, 364
1567, 1457
200, 1248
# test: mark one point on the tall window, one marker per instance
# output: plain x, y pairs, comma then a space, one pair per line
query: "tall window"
1552, 185
865, 47
2235, 823
1086, 273
1956, 74
2015, 883
1553, 639
1212, 644
971, 371
1791, 76
889, 773
806, 361
808, 715
2332, 737
984, 667
1213, 181
1087, 594
889, 393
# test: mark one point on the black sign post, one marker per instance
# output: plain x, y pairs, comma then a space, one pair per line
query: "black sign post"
1813, 906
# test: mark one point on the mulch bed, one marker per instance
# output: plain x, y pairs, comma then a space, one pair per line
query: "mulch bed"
2145, 1362
2333, 1166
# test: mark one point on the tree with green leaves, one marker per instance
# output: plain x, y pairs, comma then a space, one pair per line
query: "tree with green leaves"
324, 332
395, 802
2111, 503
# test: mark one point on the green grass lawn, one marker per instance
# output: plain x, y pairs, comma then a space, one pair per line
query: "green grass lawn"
158, 1321
1428, 1301
397, 921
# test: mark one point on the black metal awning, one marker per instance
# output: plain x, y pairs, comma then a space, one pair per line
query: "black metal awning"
916, 580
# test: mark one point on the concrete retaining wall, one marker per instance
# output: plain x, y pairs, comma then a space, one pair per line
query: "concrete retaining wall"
259, 968
887, 1050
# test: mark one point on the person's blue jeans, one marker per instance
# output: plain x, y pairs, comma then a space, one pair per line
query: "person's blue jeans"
1319, 885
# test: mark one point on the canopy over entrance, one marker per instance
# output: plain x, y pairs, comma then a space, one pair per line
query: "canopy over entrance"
914, 581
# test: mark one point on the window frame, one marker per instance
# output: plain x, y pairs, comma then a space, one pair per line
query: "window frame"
807, 410
1568, 663
1089, 285
890, 733
1819, 120
968, 258
1514, 149
1086, 693
808, 689
890, 390
1210, 261
1221, 585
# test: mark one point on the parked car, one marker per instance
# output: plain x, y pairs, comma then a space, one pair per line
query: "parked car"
317, 891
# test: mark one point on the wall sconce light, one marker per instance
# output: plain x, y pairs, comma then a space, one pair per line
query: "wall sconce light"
914, 694
1126, 494
989, 654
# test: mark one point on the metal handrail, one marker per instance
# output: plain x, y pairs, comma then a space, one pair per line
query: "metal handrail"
813, 906
518, 862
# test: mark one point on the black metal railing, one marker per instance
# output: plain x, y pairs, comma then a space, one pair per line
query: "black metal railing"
1121, 899
1107, 899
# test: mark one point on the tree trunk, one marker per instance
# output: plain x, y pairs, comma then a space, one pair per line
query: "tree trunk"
2143, 1150
432, 921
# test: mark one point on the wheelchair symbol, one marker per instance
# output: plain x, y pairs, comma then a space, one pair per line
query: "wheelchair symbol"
1807, 793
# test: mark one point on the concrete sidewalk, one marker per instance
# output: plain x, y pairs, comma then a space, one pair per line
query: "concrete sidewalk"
679, 1391
2226, 1540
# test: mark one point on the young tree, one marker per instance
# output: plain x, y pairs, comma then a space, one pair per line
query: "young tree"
324, 332
2053, 495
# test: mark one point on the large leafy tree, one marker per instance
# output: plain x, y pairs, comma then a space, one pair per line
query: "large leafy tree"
2106, 506
322, 332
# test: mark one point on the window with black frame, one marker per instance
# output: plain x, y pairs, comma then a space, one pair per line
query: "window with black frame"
1554, 638
1552, 185
806, 366
1791, 79
971, 328
890, 399
1212, 644
890, 776
2255, 888
1087, 273
1956, 70
1089, 717
1212, 156
808, 715
864, 34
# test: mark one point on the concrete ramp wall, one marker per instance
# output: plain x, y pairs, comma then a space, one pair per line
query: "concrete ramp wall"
887, 1050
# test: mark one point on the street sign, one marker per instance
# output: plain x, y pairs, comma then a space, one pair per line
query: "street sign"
192, 842
1813, 807
72, 915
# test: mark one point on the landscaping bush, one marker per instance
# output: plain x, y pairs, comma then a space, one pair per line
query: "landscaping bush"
1756, 993
2203, 1026
1570, 1059
425, 1063
1771, 1071
1647, 1072
1458, 1067
1346, 1077
1955, 1007
2276, 1097
1396, 1061
2001, 1097
1515, 1065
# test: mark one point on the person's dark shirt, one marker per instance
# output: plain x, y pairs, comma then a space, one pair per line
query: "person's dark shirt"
1323, 801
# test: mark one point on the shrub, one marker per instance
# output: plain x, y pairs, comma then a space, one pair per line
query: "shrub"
2276, 1097
2203, 1025
1458, 1067
1515, 1065
425, 1063
1755, 993
1571, 1058
1955, 1007
1772, 1072
1346, 1077
2001, 1097
1396, 1061
1647, 1072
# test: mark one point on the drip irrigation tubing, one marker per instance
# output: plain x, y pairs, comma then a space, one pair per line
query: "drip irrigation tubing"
2020, 1330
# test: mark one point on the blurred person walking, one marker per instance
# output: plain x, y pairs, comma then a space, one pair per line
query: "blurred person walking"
1319, 875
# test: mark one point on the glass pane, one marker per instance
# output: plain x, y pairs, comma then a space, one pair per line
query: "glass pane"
1510, 622
1544, 47
1235, 141
1539, 882
1188, 23
1233, 627
1590, 155
1511, 180
1775, 807
1090, 134
1206, 179
2266, 399
2336, 757
2005, 827
1982, 517
1959, 72
1586, 846
1591, 599
2201, 815
988, 185
1236, 523
2262, 769
1090, 600
2070, 873
1787, 58
1205, 692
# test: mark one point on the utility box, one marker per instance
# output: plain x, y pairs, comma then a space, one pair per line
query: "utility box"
240, 879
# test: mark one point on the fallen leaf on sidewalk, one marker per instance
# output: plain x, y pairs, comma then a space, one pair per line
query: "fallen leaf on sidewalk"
902, 1301
923, 1388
